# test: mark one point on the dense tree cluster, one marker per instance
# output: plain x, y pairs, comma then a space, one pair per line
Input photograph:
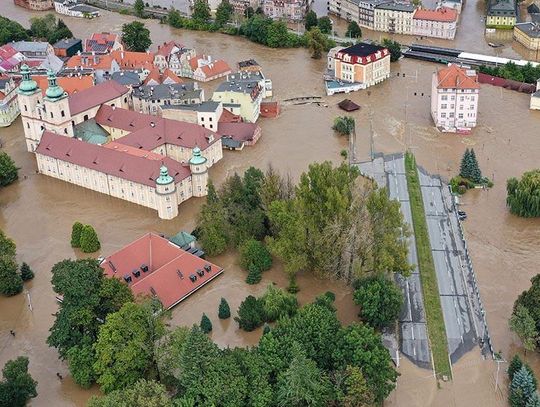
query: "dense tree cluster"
524, 194
49, 29
394, 47
274, 34
526, 73
11, 31
138, 6
525, 320
85, 238
17, 386
255, 258
8, 169
523, 385
136, 37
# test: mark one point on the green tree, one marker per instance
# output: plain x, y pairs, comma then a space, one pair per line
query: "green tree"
144, 393
11, 31
48, 28
522, 387
394, 47
125, 346
224, 13
26, 272
76, 230
61, 32
138, 6
17, 386
136, 37
465, 170
8, 170
524, 326
303, 384
175, 19
317, 42
81, 360
514, 366
168, 351
212, 224
255, 254
254, 275
277, 35
311, 20
359, 345
353, 30
224, 311
523, 197
379, 299
533, 401
344, 125
201, 12
206, 324
7, 246
356, 392
11, 282
325, 25
89, 240
476, 174
278, 303
249, 12
250, 314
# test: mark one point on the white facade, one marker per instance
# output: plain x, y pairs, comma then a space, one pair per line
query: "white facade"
293, 10
73, 8
397, 19
433, 28
9, 107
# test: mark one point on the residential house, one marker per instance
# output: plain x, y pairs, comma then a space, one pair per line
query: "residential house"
346, 9
440, 23
148, 98
292, 10
242, 94
204, 69
10, 58
130, 79
366, 12
249, 65
240, 6
501, 14
103, 42
102, 64
528, 34
395, 18
38, 5
178, 62
67, 47
363, 63
205, 114
156, 77
70, 84
134, 60
39, 55
164, 53
454, 99
75, 8
9, 108
535, 97
154, 267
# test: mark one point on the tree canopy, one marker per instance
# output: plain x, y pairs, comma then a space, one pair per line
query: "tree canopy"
11, 31
311, 20
8, 169
136, 37
49, 29
469, 168
144, 393
17, 386
138, 6
353, 30
394, 47
201, 11
524, 195
224, 13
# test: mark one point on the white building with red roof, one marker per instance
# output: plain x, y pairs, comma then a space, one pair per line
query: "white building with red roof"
90, 139
439, 23
454, 99
155, 267
103, 42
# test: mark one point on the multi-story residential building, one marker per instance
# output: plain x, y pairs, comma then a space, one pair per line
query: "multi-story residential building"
75, 8
38, 5
501, 14
455, 4
150, 161
67, 47
394, 18
242, 94
528, 34
454, 99
39, 55
148, 98
134, 60
240, 6
346, 9
205, 69
366, 12
165, 52
293, 10
166, 77
440, 23
9, 108
103, 43
249, 65
362, 63
176, 57
205, 114
103, 65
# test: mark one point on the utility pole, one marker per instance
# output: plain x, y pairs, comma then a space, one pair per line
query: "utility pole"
498, 360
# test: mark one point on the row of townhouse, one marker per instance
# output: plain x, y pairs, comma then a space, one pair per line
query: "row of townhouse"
398, 18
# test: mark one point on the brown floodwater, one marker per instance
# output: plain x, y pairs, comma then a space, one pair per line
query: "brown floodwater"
38, 211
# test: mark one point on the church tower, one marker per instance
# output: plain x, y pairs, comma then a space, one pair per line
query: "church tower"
199, 173
56, 108
30, 103
166, 199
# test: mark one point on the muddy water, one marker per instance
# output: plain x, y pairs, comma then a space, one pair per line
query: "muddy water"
38, 212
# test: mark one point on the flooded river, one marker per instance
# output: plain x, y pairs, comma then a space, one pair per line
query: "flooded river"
38, 211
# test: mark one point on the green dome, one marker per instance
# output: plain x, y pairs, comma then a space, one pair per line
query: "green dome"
197, 158
53, 91
27, 85
164, 177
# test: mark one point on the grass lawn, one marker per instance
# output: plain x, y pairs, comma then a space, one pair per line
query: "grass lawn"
430, 288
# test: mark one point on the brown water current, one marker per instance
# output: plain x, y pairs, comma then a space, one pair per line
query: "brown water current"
37, 212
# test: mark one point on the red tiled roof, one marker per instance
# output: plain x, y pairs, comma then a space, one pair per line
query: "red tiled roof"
95, 96
159, 77
169, 269
71, 84
166, 48
215, 68
238, 131
194, 62
443, 14
7, 51
109, 161
149, 155
454, 77
228, 117
149, 132
98, 61
133, 60
105, 37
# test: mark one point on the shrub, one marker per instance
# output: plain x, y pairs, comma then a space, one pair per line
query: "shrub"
250, 314
224, 311
255, 256
76, 230
206, 324
278, 303
343, 125
89, 240
524, 195
26, 272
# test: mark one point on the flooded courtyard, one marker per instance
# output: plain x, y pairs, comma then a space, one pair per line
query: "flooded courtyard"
37, 212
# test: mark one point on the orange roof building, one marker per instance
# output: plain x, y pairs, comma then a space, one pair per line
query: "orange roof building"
153, 266
439, 23
205, 69
454, 99
155, 77
103, 65
70, 84
134, 60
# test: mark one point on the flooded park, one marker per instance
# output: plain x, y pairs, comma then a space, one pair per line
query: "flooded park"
37, 211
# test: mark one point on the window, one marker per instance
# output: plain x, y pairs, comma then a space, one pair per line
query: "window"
52, 116
460, 116
25, 108
451, 115
63, 114
27, 125
461, 98
443, 106
444, 97
443, 115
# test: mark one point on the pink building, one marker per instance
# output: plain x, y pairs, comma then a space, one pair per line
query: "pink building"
440, 23
454, 99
